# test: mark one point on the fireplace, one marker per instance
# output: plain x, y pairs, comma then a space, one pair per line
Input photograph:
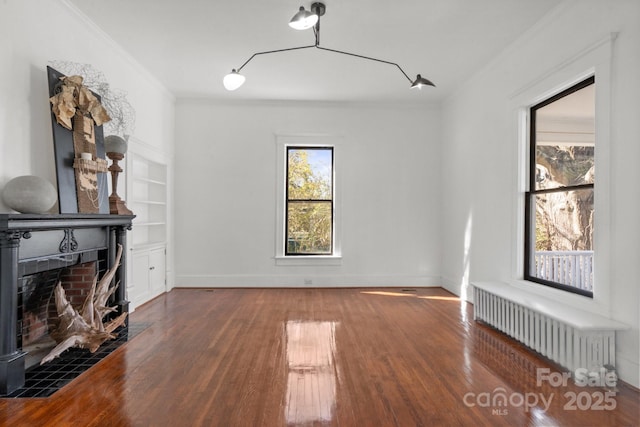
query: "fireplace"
35, 252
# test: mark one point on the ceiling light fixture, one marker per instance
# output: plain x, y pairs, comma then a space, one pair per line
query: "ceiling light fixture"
233, 80
304, 20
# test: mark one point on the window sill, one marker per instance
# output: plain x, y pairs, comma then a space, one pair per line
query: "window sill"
309, 260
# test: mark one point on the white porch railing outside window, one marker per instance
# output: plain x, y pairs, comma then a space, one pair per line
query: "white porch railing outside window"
571, 268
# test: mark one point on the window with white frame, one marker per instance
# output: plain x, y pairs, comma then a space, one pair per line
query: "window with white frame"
303, 199
559, 204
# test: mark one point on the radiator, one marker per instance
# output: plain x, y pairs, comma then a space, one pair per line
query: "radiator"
570, 347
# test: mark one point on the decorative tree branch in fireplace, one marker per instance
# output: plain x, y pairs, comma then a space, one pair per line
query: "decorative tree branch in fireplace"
85, 328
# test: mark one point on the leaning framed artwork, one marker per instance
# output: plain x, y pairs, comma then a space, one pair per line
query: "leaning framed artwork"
76, 119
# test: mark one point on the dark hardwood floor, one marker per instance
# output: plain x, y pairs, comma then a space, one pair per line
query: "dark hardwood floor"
344, 357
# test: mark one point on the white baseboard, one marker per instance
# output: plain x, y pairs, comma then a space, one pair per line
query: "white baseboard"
628, 369
299, 281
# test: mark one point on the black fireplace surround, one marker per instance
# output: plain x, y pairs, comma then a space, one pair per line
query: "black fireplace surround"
32, 244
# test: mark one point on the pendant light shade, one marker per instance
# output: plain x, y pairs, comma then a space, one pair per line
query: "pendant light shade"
421, 81
303, 20
233, 80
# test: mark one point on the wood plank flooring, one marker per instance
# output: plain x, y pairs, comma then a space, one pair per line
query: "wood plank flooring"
339, 357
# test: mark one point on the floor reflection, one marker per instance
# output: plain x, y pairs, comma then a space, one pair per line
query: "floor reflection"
311, 378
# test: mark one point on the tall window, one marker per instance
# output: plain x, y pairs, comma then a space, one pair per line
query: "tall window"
309, 201
559, 206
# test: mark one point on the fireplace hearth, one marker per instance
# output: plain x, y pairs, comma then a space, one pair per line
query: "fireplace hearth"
36, 251
43, 381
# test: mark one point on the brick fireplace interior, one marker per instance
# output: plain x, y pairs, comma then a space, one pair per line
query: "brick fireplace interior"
37, 313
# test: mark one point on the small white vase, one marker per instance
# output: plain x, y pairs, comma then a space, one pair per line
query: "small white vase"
29, 194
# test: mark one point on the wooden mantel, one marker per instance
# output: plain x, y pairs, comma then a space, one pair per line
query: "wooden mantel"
26, 241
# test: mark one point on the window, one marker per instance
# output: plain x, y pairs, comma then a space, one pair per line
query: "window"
559, 205
309, 201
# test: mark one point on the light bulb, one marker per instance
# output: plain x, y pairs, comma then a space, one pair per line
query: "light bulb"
420, 82
233, 80
303, 20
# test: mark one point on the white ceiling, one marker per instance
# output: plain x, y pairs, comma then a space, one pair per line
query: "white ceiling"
189, 45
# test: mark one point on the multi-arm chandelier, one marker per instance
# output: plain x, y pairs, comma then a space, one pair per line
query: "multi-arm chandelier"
304, 20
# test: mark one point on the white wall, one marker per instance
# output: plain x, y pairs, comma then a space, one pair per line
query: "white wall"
480, 161
34, 32
225, 193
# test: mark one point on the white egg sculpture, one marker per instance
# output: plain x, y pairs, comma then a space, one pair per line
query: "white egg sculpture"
29, 194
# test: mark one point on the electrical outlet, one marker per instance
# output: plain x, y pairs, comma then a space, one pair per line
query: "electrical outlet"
308, 282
